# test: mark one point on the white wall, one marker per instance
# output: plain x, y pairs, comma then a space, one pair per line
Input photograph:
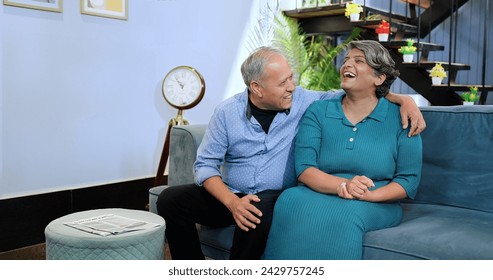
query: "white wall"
80, 95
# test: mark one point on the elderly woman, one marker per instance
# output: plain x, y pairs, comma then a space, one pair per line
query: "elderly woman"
355, 163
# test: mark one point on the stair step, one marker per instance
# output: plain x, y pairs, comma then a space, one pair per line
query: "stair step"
373, 24
422, 45
330, 10
335, 10
458, 87
424, 3
430, 64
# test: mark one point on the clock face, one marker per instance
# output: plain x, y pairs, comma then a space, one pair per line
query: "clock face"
183, 87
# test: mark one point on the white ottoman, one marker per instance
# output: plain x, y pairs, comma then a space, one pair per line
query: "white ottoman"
67, 243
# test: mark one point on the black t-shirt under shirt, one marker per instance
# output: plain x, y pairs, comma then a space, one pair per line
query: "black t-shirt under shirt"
264, 117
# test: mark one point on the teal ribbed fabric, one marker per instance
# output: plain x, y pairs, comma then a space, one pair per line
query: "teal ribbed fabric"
311, 225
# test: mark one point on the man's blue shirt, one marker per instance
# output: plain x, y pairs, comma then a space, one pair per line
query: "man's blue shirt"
236, 148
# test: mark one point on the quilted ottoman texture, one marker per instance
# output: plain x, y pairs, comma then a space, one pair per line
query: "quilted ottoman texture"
67, 243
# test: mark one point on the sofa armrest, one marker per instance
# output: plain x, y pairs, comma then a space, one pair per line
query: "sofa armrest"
184, 141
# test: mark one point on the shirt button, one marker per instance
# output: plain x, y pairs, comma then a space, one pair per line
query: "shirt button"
351, 139
354, 128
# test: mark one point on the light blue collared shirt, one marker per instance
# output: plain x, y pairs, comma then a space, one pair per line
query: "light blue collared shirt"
236, 148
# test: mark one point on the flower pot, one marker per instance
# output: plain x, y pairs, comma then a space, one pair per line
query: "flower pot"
354, 17
408, 57
468, 103
436, 81
383, 37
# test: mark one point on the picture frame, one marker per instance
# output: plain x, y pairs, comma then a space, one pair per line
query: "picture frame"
117, 9
45, 5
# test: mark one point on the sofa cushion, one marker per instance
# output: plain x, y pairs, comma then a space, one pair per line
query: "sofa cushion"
216, 241
434, 232
457, 157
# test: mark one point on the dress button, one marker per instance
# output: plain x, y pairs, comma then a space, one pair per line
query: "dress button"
351, 139
355, 128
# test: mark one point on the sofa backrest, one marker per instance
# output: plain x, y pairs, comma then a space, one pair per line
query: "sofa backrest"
458, 157
184, 142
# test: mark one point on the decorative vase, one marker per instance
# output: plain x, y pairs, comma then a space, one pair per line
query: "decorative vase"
383, 37
436, 81
354, 17
468, 103
408, 57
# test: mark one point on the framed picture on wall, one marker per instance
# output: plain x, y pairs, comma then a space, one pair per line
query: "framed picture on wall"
105, 8
46, 5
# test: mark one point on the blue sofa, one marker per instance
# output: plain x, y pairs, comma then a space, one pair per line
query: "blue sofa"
452, 214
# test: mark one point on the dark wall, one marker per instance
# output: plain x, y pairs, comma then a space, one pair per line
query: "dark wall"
23, 219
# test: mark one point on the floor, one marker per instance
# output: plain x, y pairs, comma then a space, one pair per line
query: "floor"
37, 252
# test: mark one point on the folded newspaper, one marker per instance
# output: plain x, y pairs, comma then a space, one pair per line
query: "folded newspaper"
110, 224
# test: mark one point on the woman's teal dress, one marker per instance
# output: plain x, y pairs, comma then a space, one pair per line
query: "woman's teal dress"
311, 225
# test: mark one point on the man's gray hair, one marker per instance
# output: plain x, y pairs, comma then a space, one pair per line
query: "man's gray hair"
253, 67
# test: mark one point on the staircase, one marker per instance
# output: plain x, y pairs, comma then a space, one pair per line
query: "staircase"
421, 17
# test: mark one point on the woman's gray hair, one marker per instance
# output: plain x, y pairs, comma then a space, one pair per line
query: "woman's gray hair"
253, 67
378, 58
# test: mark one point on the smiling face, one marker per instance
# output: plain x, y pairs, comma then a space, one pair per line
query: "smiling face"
357, 75
275, 89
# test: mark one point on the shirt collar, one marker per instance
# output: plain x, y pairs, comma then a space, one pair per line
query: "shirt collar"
248, 112
378, 114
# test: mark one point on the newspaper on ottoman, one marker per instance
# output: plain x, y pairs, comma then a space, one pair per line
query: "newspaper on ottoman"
110, 224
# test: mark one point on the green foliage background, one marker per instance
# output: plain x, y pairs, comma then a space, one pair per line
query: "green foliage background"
312, 58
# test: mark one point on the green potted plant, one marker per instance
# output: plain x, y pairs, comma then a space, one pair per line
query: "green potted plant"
408, 51
471, 96
353, 11
437, 74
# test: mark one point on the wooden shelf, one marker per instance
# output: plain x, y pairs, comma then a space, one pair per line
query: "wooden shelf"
457, 87
431, 64
330, 10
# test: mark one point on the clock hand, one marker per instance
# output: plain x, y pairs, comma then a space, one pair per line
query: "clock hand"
180, 83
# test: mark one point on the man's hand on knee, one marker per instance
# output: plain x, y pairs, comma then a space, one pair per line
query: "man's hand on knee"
245, 214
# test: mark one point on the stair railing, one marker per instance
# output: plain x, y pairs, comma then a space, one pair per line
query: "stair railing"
482, 98
451, 34
418, 54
